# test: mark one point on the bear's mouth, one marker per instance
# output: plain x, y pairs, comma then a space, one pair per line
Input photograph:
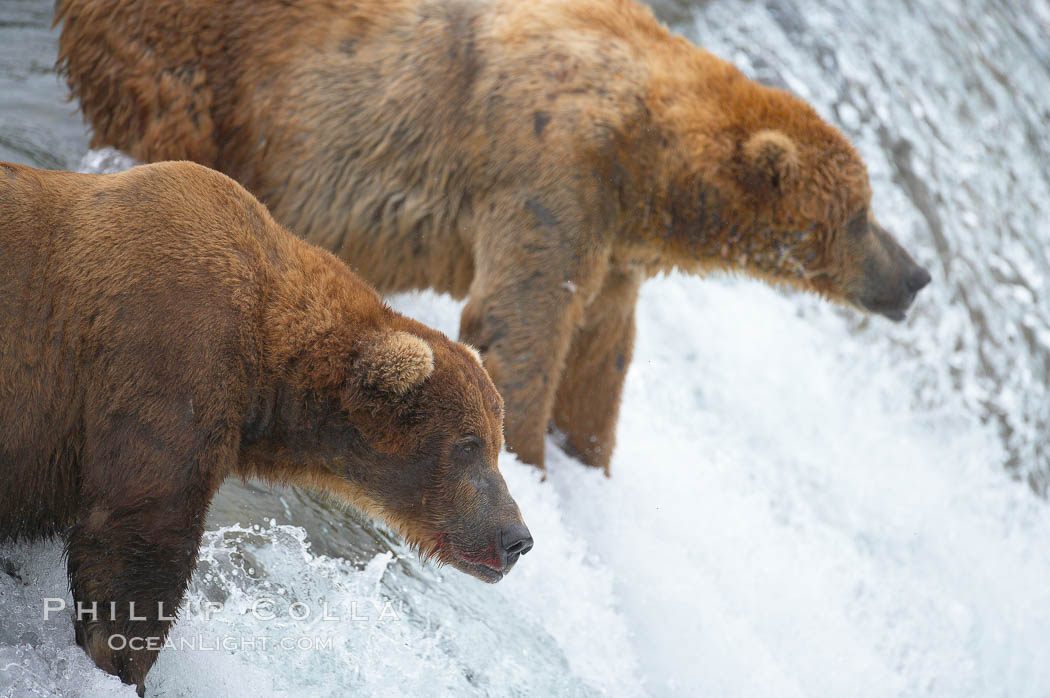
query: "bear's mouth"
478, 570
483, 567
895, 314
894, 310
480, 566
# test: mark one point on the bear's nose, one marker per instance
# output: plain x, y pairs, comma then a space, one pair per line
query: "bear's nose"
917, 280
514, 540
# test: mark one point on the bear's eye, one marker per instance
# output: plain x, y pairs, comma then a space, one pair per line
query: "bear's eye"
468, 447
858, 226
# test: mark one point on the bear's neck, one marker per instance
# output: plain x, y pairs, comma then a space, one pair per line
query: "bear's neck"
310, 323
674, 218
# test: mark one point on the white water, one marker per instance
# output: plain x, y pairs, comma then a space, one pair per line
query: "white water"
803, 503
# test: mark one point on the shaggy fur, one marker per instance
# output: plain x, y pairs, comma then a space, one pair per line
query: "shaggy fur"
541, 158
160, 333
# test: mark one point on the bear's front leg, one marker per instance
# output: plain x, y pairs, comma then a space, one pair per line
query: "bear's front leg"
128, 569
526, 300
588, 399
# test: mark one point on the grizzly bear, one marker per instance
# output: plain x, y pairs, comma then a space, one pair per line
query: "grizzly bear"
539, 158
159, 332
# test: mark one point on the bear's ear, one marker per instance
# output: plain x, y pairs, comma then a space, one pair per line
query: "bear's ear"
396, 362
770, 158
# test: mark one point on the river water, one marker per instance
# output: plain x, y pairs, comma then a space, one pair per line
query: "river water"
804, 502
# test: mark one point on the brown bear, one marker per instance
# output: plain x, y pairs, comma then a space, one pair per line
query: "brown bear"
539, 158
159, 332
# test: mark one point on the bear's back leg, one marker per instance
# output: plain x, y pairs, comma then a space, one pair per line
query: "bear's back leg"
533, 276
588, 399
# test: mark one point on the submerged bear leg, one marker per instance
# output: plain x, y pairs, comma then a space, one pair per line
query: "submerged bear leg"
128, 567
588, 398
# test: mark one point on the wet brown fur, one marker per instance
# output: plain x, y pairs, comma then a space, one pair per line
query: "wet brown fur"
541, 158
159, 332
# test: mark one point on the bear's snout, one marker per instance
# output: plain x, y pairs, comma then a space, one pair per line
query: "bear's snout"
892, 279
893, 303
918, 280
488, 533
514, 541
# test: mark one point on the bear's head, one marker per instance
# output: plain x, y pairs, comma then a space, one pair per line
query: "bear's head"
809, 194
774, 191
406, 425
427, 404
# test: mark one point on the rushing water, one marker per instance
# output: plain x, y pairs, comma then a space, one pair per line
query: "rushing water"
804, 502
